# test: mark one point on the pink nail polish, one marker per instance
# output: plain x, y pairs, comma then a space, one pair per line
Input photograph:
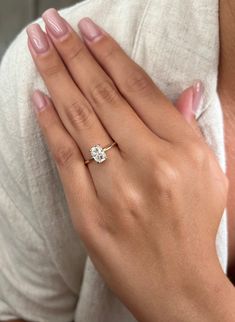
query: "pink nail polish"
37, 38
89, 29
198, 90
39, 101
55, 23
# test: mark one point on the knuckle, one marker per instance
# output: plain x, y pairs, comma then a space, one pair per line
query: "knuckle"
64, 155
80, 114
130, 201
133, 200
75, 53
166, 178
48, 124
89, 226
197, 153
138, 81
128, 196
109, 50
51, 67
104, 92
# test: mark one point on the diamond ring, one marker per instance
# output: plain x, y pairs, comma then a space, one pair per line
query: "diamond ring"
98, 153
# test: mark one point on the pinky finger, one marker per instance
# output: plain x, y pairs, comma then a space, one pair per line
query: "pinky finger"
64, 150
75, 176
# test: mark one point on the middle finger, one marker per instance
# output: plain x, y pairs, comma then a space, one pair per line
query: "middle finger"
76, 113
112, 65
113, 109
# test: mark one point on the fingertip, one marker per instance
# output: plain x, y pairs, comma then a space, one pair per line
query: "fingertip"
90, 31
49, 12
40, 101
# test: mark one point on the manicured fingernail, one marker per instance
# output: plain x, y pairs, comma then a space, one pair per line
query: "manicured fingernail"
89, 29
55, 23
198, 90
39, 101
37, 38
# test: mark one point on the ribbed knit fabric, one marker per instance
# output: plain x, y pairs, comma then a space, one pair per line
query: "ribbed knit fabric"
45, 274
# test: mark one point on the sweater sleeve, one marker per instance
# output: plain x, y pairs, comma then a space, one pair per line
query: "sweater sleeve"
41, 257
14, 200
32, 286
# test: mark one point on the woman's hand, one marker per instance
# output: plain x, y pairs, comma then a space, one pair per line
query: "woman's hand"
150, 213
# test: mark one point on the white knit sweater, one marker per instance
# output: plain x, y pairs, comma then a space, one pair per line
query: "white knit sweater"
45, 274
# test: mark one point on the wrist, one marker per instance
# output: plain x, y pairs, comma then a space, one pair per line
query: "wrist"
219, 298
208, 297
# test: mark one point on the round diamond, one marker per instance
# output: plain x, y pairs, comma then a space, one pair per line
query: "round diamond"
98, 153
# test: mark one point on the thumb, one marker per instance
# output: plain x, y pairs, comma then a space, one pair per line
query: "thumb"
188, 103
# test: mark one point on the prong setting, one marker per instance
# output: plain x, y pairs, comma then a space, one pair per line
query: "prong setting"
98, 153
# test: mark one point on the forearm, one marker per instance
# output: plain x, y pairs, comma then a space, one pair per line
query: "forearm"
211, 300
